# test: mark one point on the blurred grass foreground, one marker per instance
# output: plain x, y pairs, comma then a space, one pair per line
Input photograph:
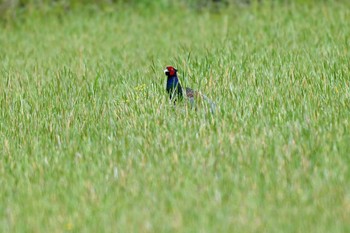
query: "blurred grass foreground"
90, 143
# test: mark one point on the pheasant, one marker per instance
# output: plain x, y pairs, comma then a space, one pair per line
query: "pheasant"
175, 90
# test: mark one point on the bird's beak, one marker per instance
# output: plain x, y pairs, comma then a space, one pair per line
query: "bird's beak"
165, 71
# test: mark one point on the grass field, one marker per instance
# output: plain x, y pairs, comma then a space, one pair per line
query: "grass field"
90, 142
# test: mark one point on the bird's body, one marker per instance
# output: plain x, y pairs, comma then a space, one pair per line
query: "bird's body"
174, 88
175, 91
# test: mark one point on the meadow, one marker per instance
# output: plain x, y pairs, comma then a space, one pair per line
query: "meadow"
90, 143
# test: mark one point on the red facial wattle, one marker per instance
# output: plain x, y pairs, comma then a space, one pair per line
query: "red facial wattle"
171, 70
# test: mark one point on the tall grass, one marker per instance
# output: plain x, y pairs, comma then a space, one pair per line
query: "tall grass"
13, 9
91, 143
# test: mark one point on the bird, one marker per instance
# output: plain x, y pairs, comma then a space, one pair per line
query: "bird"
175, 90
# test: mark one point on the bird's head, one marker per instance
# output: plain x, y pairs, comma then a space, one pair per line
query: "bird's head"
170, 71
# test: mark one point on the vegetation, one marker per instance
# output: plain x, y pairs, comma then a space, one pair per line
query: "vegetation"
90, 142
